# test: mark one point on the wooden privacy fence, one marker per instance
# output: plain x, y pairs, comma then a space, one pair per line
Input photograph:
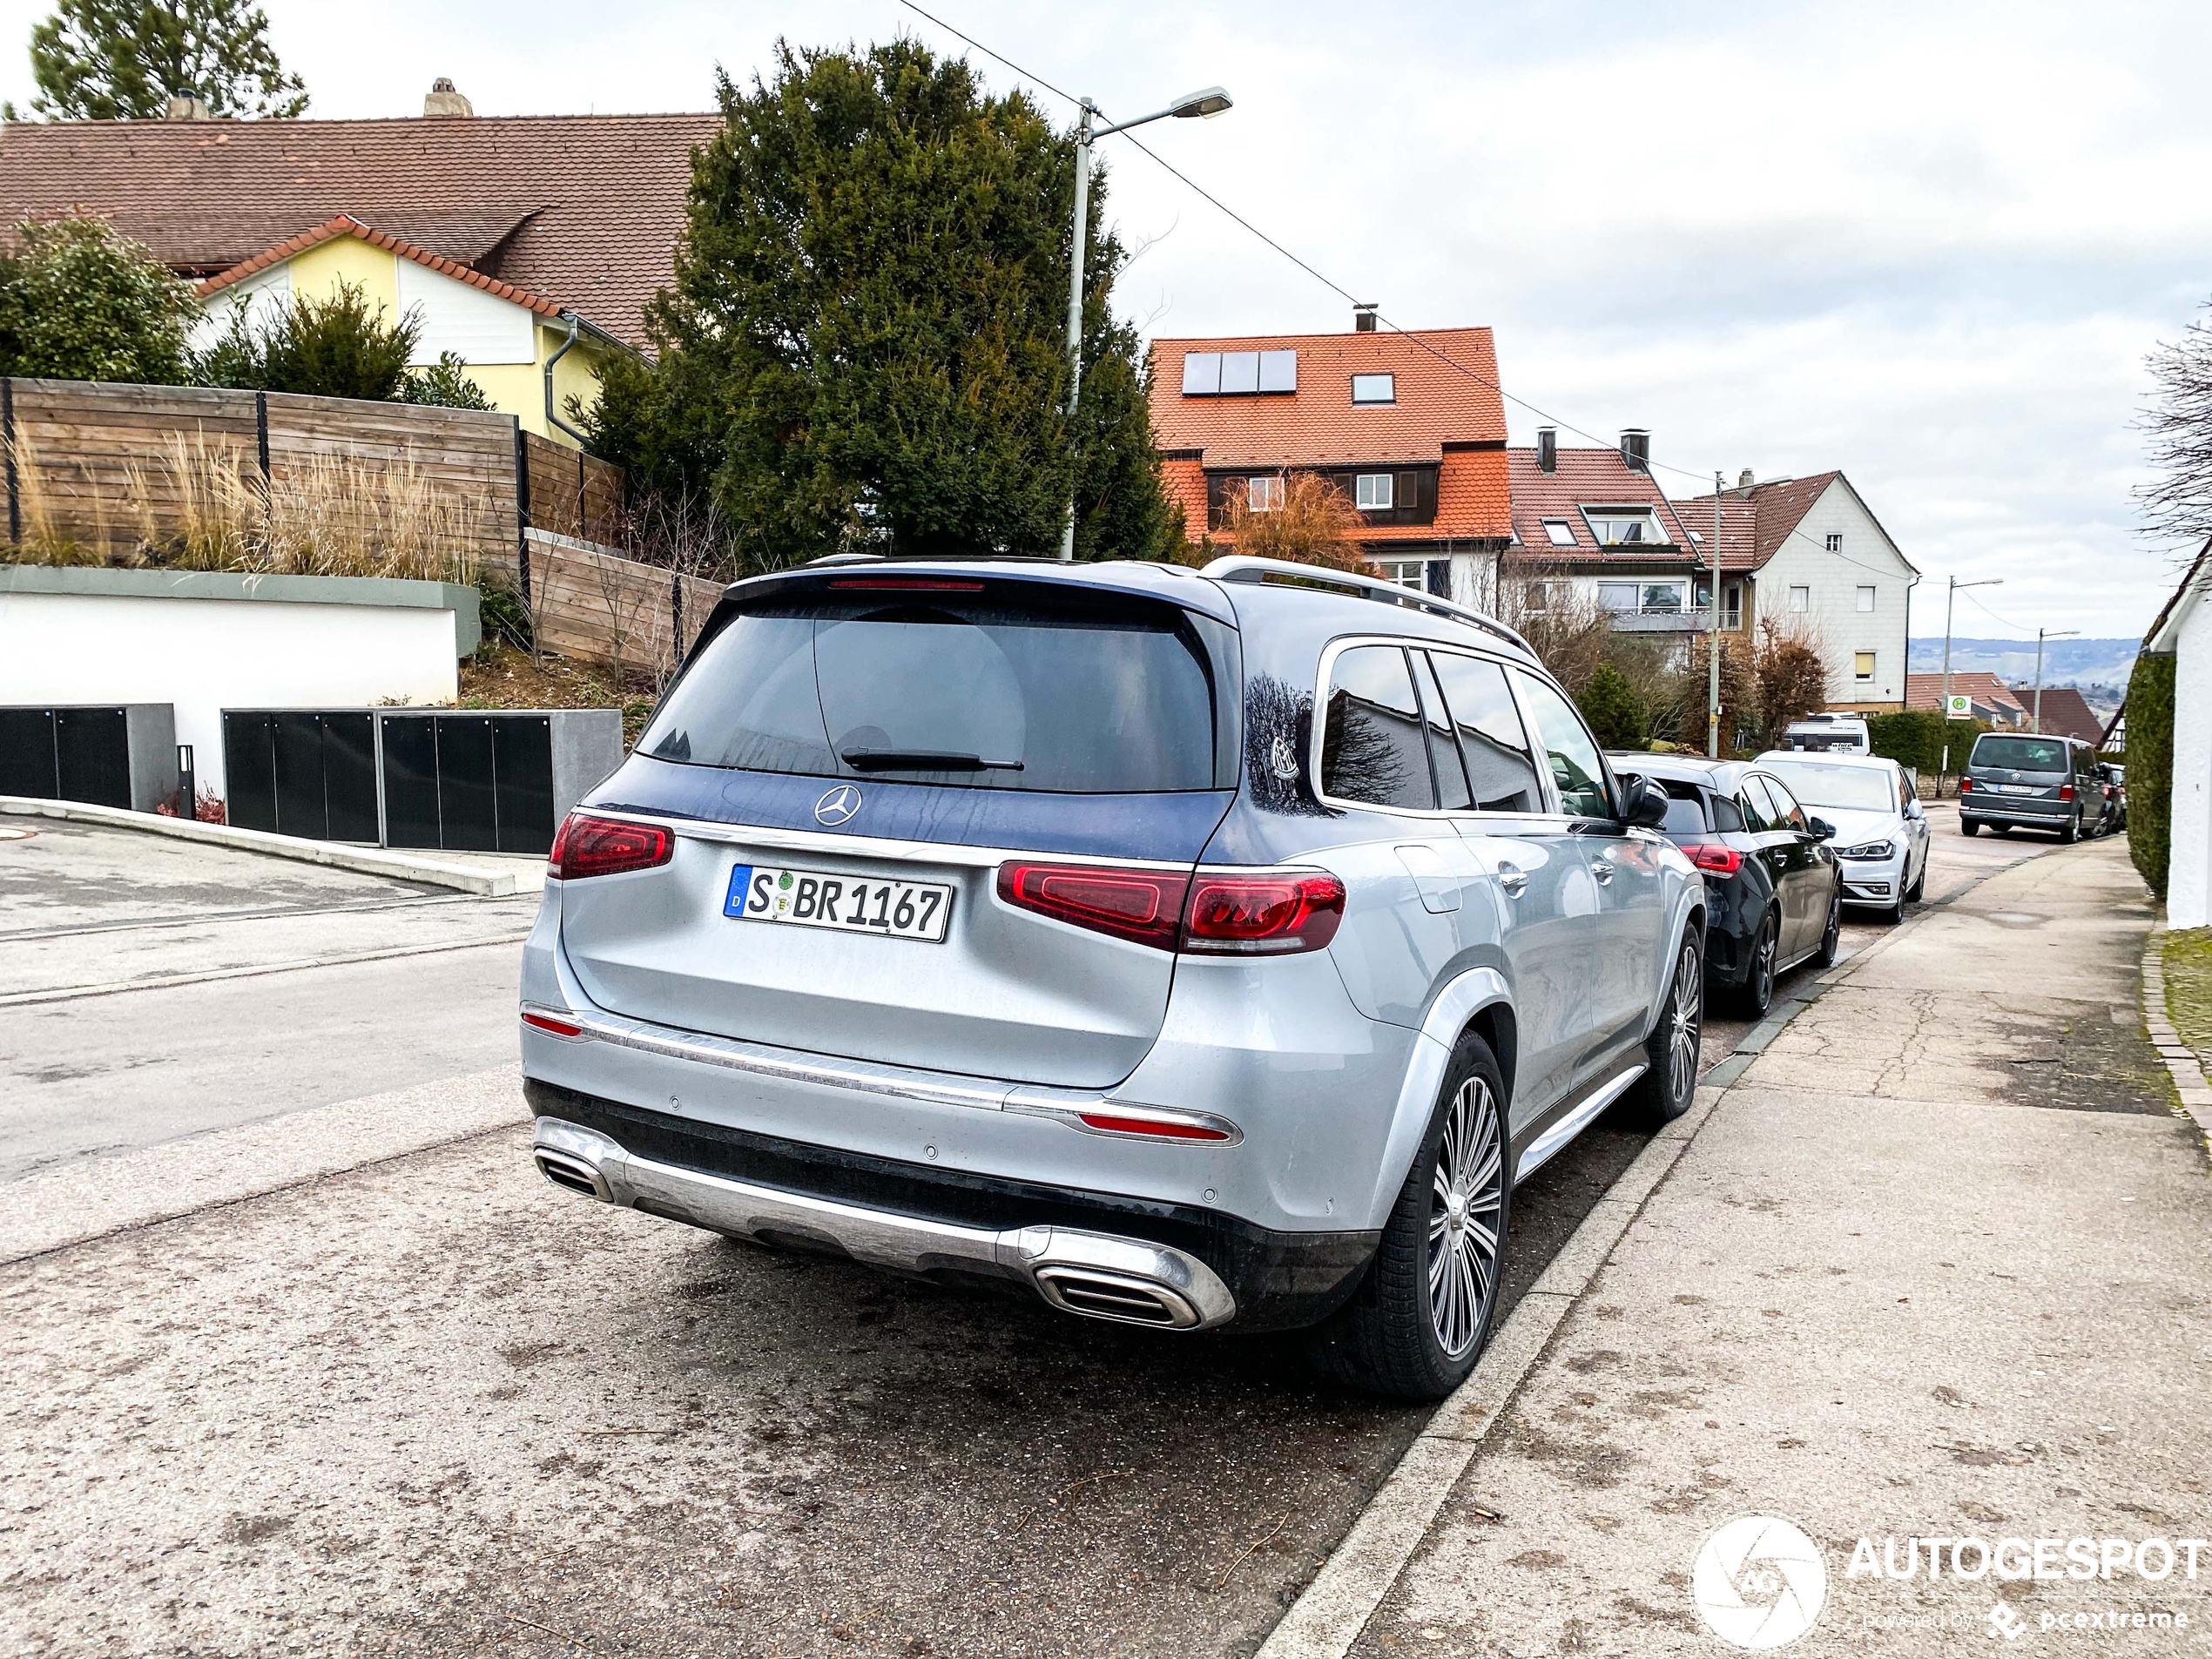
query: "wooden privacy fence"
572, 494
587, 603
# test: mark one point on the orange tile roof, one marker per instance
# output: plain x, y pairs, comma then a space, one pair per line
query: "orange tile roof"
346, 225
1587, 478
583, 210
1448, 413
1756, 523
1926, 691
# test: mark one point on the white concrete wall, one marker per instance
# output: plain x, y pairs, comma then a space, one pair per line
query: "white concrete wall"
207, 655
2189, 866
1868, 559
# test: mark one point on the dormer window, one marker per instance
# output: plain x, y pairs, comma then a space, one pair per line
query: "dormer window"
1374, 389
1622, 526
1560, 532
1375, 492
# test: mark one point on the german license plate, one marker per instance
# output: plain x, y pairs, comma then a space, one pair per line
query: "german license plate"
850, 903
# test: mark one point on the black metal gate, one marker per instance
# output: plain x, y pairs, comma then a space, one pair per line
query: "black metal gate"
66, 754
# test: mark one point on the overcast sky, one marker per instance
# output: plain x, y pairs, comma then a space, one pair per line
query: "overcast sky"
1928, 244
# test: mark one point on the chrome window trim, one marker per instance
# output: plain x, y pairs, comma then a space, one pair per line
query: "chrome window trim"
869, 846
1550, 817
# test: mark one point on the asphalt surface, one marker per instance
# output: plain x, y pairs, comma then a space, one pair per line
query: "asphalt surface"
435, 1405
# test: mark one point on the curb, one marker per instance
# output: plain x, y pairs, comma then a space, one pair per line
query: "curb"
367, 861
1329, 1615
2183, 1065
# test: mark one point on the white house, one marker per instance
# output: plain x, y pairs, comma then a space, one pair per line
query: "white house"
2183, 632
1810, 551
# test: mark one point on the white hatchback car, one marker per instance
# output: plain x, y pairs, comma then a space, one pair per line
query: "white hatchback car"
1881, 832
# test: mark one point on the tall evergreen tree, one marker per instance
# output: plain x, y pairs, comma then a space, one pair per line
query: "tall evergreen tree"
866, 336
120, 60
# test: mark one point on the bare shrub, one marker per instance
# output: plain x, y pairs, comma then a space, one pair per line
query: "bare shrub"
1563, 623
1311, 523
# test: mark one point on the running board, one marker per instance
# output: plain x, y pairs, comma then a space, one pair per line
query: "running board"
1540, 1149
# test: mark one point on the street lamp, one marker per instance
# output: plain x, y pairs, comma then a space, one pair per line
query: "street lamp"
1949, 598
2042, 634
1203, 104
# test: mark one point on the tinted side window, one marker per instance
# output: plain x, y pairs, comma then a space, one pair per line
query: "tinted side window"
1788, 814
1443, 746
1372, 747
1759, 815
1501, 773
1577, 769
1728, 815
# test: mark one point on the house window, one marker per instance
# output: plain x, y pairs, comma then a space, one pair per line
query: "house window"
1560, 532
1372, 492
1374, 389
1800, 600
1407, 573
1732, 602
1640, 598
1618, 526
1263, 495
1866, 599
1863, 666
1836, 542
1538, 598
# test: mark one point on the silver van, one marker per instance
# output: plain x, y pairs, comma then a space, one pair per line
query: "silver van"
2016, 781
1192, 948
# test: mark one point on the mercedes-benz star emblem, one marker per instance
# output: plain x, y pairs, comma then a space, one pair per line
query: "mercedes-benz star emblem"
838, 807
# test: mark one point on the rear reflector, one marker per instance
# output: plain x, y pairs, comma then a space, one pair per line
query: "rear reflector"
1142, 906
1277, 913
547, 1023
588, 846
1721, 860
1169, 1129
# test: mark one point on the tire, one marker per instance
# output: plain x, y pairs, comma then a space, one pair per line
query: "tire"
1756, 994
2072, 832
1919, 887
1831, 938
1970, 826
1669, 1080
1422, 1314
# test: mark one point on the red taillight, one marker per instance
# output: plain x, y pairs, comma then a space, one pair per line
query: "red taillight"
1142, 906
1169, 1129
1721, 860
547, 1023
1965, 786
1272, 914
588, 845
2066, 792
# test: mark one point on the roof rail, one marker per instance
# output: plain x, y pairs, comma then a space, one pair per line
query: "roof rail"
1245, 568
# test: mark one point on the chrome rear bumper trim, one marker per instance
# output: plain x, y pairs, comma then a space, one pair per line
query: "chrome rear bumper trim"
1189, 1294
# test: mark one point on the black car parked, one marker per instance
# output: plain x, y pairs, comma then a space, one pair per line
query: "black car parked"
1777, 888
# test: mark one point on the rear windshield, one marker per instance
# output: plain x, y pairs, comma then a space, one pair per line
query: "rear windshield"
951, 688
1851, 789
1685, 807
2020, 754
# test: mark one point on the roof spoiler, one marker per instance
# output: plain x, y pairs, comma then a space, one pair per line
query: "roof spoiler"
1245, 567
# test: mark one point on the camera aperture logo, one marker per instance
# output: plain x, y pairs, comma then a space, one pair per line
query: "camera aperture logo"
1759, 1582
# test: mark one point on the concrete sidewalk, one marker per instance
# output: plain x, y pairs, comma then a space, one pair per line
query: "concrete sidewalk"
1934, 1269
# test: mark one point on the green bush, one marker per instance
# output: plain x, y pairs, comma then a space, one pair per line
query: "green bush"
2150, 768
500, 610
1617, 716
445, 384
1916, 737
78, 302
333, 347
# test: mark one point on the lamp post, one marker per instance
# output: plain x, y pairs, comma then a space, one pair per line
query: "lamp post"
2042, 634
1205, 105
1949, 598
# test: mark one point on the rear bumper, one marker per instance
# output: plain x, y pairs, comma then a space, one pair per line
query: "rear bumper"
1092, 1254
2007, 809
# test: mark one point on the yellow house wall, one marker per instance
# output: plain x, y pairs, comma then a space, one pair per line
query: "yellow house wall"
514, 388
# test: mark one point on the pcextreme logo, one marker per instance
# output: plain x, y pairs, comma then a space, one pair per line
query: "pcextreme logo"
1759, 1582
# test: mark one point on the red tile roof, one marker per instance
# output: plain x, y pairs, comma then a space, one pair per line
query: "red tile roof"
1926, 691
2067, 713
346, 225
1447, 412
1587, 478
1755, 522
583, 210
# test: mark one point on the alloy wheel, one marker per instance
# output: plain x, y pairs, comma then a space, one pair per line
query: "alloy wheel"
1467, 1198
1762, 954
1686, 1017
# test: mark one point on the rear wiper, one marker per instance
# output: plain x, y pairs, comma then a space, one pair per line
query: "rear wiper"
921, 760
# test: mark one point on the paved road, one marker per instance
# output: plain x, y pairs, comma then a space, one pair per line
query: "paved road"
435, 1405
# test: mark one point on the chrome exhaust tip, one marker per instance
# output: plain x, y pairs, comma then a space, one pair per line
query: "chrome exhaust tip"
1117, 1297
573, 1173
1128, 1281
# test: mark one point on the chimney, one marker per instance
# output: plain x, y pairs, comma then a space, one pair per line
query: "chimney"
1635, 447
1363, 318
1743, 479
187, 106
443, 100
1547, 449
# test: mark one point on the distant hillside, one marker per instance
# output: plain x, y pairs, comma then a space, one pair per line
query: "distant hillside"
2091, 665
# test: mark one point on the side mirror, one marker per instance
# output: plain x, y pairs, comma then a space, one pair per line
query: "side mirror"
1647, 803
1822, 829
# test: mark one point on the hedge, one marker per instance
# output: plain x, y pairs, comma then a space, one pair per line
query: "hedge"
2150, 768
1916, 738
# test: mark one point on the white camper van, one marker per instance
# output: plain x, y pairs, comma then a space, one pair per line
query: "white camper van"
1829, 734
